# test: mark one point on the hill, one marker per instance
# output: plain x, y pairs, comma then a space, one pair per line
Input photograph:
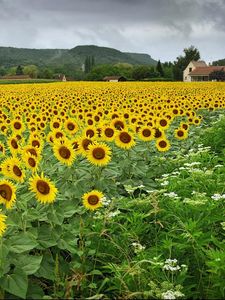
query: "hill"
10, 56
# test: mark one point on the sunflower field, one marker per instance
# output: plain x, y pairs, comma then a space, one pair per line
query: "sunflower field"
112, 190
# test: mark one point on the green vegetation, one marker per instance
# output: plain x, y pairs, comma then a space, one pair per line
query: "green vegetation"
160, 235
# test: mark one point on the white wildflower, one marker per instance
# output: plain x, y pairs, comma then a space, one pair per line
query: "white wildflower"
168, 295
164, 183
138, 247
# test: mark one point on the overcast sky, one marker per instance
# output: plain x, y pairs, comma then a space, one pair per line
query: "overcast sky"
161, 28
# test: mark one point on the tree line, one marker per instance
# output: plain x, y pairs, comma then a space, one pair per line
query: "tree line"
167, 71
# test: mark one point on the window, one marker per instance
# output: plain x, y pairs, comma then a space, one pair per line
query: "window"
190, 69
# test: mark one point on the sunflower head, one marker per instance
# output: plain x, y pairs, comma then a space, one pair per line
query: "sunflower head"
124, 139
162, 144
93, 200
64, 152
99, 154
43, 188
7, 193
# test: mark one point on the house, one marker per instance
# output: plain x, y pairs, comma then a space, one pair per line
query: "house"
114, 78
199, 71
60, 77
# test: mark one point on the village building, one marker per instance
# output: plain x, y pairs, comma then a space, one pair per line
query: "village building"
199, 71
114, 78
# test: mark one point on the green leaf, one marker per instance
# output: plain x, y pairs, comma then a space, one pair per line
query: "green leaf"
4, 264
15, 283
47, 268
47, 236
29, 263
21, 242
34, 291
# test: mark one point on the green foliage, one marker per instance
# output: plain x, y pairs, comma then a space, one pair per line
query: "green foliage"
31, 70
217, 75
160, 233
181, 62
214, 135
19, 70
159, 68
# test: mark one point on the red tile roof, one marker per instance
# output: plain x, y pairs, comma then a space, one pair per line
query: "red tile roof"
205, 71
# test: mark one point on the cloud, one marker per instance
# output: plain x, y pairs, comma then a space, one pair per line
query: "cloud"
161, 28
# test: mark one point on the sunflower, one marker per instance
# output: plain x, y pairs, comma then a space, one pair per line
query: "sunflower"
71, 126
181, 134
55, 124
108, 133
118, 124
11, 167
17, 126
124, 140
7, 193
162, 144
31, 161
2, 224
32, 150
13, 145
63, 151
43, 188
90, 132
146, 133
93, 199
84, 144
35, 141
99, 154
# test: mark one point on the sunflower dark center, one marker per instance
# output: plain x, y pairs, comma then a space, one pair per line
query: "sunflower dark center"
109, 132
98, 153
125, 138
36, 143
59, 135
162, 144
86, 143
6, 192
31, 162
43, 187
1, 148
90, 133
14, 144
163, 122
146, 132
17, 125
17, 171
93, 199
64, 152
32, 151
185, 126
56, 125
180, 133
119, 125
71, 126
158, 133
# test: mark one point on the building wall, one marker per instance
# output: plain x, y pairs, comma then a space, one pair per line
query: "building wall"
188, 69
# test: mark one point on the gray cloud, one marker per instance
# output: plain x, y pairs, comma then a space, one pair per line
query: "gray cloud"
161, 28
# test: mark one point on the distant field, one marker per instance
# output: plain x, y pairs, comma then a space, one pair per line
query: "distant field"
5, 81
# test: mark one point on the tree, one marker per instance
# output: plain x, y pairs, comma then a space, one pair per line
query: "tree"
89, 63
19, 70
181, 63
31, 70
159, 68
217, 75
